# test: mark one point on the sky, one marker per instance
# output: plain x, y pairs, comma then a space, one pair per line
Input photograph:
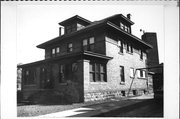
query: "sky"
39, 23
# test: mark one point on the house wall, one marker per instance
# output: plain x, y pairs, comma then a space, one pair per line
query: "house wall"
113, 86
77, 44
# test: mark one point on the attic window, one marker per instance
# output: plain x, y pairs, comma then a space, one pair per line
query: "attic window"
125, 27
79, 26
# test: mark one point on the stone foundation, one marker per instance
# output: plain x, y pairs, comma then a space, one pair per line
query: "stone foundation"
103, 95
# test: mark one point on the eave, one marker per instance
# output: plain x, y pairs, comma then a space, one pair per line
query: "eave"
130, 35
79, 54
90, 27
73, 18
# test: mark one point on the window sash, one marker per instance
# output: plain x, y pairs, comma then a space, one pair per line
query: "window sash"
97, 72
70, 47
132, 72
61, 73
122, 74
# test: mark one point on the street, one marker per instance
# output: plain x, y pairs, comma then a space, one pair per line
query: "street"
148, 108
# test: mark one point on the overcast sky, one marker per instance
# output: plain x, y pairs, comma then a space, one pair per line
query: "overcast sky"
39, 23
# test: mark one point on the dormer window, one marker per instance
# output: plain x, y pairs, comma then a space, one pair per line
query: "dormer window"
70, 28
79, 26
125, 27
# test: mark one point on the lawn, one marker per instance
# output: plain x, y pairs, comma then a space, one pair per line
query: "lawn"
36, 110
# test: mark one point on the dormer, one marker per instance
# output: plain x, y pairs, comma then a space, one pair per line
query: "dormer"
74, 23
121, 21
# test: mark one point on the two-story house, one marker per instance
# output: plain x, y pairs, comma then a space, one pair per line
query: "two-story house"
90, 61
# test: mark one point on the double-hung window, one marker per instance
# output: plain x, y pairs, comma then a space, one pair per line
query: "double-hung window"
120, 45
30, 75
141, 74
88, 44
70, 47
122, 74
132, 72
129, 48
141, 54
97, 72
61, 73
55, 51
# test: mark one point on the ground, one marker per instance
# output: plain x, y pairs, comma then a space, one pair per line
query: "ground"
35, 110
141, 106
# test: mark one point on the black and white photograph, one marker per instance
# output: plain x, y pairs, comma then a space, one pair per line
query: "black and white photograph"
89, 59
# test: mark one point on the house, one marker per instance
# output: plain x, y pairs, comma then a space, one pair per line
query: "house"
90, 61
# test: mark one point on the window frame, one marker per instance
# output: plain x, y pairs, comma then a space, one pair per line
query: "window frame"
95, 73
69, 49
61, 73
142, 74
120, 45
141, 55
131, 71
89, 46
122, 74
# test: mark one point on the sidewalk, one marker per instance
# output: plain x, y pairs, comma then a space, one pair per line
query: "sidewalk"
100, 109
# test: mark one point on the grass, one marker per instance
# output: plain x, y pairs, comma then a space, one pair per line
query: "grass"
36, 110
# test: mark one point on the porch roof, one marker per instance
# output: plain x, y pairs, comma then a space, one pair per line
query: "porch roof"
80, 54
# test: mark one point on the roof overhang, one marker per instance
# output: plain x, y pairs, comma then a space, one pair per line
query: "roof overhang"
148, 46
80, 55
76, 17
88, 28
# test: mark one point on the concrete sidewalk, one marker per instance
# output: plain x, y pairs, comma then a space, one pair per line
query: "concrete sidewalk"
99, 109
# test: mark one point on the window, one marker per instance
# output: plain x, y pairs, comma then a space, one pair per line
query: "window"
120, 45
132, 72
91, 43
29, 77
61, 73
122, 73
121, 25
79, 26
97, 72
129, 48
70, 28
55, 51
70, 47
141, 74
125, 27
141, 54
88, 44
58, 50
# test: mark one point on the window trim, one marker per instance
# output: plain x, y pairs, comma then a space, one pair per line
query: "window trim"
97, 73
122, 74
69, 49
143, 73
131, 68
88, 46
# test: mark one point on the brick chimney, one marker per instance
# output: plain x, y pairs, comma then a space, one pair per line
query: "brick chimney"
129, 16
152, 55
60, 28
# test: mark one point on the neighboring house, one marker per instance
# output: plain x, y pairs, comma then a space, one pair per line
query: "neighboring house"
90, 61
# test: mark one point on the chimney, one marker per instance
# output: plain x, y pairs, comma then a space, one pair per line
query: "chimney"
60, 31
129, 16
152, 55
